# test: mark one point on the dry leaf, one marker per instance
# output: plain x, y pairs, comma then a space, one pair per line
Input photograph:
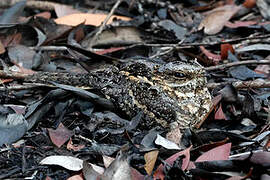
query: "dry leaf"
159, 172
68, 162
215, 20
60, 135
249, 3
2, 48
174, 134
219, 113
216, 58
90, 19
262, 69
150, 160
71, 146
107, 160
237, 24
218, 153
224, 50
46, 15
118, 37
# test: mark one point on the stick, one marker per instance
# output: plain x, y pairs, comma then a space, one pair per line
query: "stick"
190, 45
238, 63
101, 28
242, 84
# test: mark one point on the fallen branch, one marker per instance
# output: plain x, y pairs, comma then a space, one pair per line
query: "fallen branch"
191, 45
238, 63
101, 28
242, 84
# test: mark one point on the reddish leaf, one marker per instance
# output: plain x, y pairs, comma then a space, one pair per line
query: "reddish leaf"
113, 49
60, 135
218, 153
46, 15
238, 24
262, 69
71, 146
249, 3
216, 100
19, 109
207, 147
6, 80
224, 50
12, 40
264, 23
219, 113
216, 58
79, 35
136, 175
76, 177
48, 178
159, 172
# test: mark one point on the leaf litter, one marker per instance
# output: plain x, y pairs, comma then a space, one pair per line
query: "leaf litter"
59, 131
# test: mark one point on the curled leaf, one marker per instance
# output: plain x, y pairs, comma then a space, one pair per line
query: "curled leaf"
215, 20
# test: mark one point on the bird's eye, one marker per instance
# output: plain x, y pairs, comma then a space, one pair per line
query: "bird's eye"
179, 75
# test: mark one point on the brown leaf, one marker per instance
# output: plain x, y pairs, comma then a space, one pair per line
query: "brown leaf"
136, 175
159, 172
215, 20
12, 39
120, 36
224, 50
219, 113
174, 135
46, 15
218, 153
150, 160
216, 58
249, 3
2, 48
238, 24
60, 135
71, 146
90, 19
22, 56
110, 50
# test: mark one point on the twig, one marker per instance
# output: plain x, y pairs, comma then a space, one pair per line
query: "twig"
242, 84
190, 45
24, 86
12, 75
101, 28
238, 63
50, 48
